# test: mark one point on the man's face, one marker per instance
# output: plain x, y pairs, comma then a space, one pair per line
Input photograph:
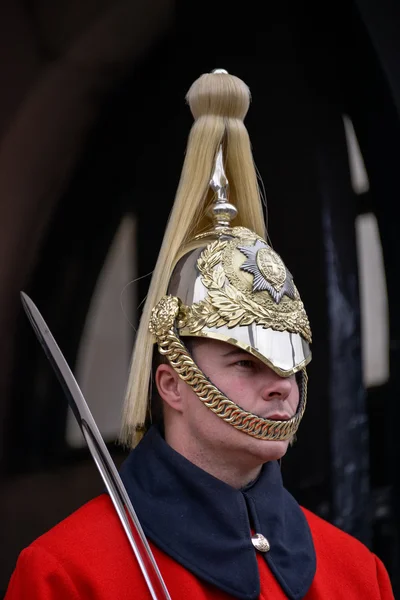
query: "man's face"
253, 386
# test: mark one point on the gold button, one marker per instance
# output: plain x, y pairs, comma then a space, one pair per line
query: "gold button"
260, 542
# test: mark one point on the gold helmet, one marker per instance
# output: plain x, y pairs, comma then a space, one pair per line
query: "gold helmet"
220, 279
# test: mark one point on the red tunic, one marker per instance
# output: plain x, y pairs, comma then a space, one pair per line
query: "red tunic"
87, 556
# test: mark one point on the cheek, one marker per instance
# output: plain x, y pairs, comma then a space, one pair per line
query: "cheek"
244, 390
202, 422
195, 411
234, 386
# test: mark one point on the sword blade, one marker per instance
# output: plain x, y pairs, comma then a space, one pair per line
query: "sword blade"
99, 452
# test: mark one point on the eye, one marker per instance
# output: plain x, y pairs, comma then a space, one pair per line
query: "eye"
246, 364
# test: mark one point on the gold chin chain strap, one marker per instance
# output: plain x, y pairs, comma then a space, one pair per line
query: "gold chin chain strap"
170, 345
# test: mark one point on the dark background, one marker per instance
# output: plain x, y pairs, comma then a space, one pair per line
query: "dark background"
93, 127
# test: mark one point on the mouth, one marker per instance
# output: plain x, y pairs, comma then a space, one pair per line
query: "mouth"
279, 417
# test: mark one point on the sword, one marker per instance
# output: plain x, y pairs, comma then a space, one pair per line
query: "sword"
99, 452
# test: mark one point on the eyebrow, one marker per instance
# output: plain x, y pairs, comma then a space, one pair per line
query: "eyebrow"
234, 352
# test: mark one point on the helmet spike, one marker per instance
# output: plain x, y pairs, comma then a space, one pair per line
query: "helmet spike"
223, 212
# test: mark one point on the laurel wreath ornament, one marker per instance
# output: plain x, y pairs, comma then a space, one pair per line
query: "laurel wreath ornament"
225, 305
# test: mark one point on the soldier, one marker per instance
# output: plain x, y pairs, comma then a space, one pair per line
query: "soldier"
216, 393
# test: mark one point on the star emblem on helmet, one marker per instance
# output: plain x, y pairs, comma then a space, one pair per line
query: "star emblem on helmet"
269, 272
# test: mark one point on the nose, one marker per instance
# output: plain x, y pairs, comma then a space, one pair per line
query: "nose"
276, 387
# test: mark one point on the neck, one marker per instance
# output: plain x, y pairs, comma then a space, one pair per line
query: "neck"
233, 471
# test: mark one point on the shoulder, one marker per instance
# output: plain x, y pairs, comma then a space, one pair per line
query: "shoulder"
360, 571
85, 543
328, 538
94, 525
86, 554
330, 534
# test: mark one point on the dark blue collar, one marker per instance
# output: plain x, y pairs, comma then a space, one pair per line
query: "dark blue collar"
204, 524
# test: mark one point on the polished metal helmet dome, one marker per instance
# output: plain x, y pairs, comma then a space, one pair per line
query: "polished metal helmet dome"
235, 288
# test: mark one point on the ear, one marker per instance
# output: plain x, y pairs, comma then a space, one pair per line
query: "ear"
168, 386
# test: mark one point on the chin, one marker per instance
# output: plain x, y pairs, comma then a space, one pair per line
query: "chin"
268, 450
